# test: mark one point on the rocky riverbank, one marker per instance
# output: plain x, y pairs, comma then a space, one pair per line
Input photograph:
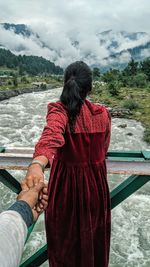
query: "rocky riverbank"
120, 112
6, 94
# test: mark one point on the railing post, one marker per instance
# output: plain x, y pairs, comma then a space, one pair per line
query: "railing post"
37, 259
7, 179
120, 193
127, 188
2, 149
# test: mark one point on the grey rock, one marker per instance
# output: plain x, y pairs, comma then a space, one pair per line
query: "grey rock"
129, 134
124, 125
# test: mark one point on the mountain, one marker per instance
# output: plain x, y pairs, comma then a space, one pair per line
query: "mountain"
32, 65
105, 49
123, 46
17, 28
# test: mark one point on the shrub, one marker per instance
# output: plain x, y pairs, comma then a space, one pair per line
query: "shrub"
24, 79
43, 86
96, 73
148, 86
9, 83
130, 104
15, 81
114, 88
140, 80
97, 88
147, 135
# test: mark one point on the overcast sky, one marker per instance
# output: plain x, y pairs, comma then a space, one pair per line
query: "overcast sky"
83, 15
60, 23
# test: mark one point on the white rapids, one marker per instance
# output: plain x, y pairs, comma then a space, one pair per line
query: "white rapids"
21, 121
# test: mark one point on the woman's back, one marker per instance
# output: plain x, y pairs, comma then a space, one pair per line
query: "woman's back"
78, 214
75, 142
89, 142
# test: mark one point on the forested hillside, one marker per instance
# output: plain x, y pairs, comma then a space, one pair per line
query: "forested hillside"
32, 65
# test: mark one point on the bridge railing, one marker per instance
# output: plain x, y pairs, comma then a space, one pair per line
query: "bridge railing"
134, 163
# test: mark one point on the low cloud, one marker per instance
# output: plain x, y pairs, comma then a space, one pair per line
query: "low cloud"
70, 30
145, 53
62, 48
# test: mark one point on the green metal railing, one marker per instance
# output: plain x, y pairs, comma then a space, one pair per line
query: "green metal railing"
119, 194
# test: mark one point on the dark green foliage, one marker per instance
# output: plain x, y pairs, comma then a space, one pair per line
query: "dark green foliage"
32, 65
114, 88
131, 68
130, 104
9, 83
111, 75
147, 135
140, 80
43, 86
24, 79
98, 88
145, 67
134, 75
96, 73
15, 81
21, 69
148, 87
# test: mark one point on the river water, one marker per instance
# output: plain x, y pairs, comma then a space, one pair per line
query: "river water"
21, 121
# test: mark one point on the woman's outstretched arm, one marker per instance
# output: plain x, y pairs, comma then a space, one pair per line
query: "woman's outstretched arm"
51, 139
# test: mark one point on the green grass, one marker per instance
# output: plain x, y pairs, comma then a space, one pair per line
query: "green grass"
140, 97
50, 80
5, 70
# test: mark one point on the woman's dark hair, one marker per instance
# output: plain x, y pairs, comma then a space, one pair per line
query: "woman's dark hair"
77, 84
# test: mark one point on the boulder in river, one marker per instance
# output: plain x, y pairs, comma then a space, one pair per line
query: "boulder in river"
130, 134
124, 125
119, 112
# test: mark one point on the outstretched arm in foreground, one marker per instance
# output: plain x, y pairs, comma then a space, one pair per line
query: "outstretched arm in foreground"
14, 223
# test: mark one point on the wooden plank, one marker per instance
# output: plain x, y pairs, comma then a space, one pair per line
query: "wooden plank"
16, 161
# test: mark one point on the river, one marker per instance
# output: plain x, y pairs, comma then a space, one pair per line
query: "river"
21, 121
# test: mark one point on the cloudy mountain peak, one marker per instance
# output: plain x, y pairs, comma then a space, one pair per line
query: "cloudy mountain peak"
105, 49
17, 28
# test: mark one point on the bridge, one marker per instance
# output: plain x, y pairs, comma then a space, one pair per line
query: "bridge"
136, 164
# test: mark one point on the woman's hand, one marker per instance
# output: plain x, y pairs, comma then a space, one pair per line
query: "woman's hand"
33, 176
31, 196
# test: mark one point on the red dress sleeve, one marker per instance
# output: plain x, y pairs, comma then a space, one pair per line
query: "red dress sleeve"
108, 132
53, 134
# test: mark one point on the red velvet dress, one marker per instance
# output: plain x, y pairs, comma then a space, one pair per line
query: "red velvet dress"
78, 213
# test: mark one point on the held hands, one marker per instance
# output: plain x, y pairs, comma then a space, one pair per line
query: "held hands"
32, 197
34, 190
33, 176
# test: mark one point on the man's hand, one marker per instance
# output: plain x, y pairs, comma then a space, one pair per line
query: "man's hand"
31, 196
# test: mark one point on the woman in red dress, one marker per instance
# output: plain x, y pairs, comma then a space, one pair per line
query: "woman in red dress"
75, 142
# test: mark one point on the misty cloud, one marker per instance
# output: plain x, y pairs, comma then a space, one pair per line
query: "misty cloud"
71, 30
81, 15
145, 53
63, 48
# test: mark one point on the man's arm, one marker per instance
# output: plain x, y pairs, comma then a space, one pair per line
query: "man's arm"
13, 233
14, 223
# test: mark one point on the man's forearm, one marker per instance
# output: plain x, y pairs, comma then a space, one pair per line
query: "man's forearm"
13, 233
24, 210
